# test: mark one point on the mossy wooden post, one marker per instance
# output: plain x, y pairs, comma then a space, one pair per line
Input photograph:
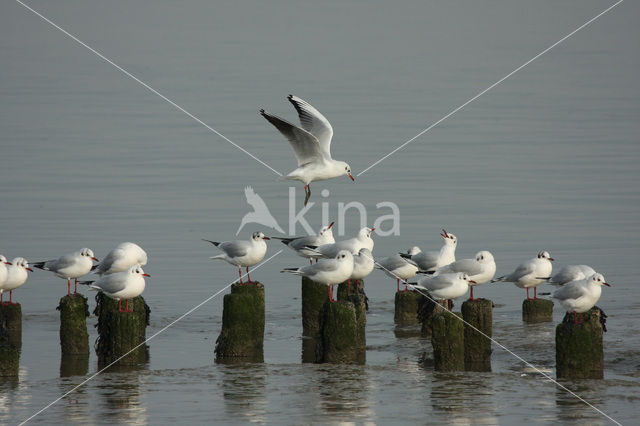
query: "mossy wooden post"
537, 310
447, 339
243, 316
343, 337
12, 319
74, 338
426, 309
477, 348
9, 354
120, 332
579, 349
314, 295
74, 365
406, 304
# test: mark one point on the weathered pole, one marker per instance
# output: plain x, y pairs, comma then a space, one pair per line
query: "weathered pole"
447, 339
406, 308
12, 319
537, 310
243, 317
120, 332
477, 347
9, 354
579, 348
74, 338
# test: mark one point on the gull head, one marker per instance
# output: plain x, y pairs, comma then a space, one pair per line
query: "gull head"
413, 251
465, 277
346, 169
598, 279
484, 256
365, 233
326, 231
344, 256
449, 239
87, 252
21, 262
259, 236
137, 270
545, 255
4, 260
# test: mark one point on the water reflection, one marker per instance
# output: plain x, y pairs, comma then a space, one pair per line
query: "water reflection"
572, 409
465, 398
74, 365
119, 390
243, 387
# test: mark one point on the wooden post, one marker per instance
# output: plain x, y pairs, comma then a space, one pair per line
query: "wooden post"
12, 319
447, 339
477, 348
406, 308
9, 354
343, 336
74, 338
243, 316
314, 295
537, 310
579, 348
74, 365
426, 309
121, 332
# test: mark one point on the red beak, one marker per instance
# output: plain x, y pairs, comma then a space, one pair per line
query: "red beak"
266, 238
351, 176
146, 275
472, 282
444, 234
373, 229
29, 269
95, 258
607, 284
330, 225
551, 259
8, 263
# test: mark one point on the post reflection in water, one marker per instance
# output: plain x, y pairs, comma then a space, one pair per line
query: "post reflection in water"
119, 389
571, 409
464, 398
243, 387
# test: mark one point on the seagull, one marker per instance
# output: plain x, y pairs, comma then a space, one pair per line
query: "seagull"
353, 245
328, 271
311, 144
445, 286
121, 259
242, 253
481, 269
4, 273
299, 244
363, 264
72, 265
16, 276
581, 295
528, 274
398, 268
260, 214
571, 273
121, 285
431, 260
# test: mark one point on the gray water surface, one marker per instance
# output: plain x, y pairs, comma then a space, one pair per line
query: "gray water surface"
548, 160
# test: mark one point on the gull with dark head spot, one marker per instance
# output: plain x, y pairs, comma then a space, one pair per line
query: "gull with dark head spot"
121, 258
242, 253
300, 244
481, 269
73, 265
431, 260
311, 144
529, 273
581, 295
445, 286
121, 285
16, 276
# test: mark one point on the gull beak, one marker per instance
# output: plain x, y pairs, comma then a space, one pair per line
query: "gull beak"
8, 263
373, 229
330, 225
266, 238
551, 259
146, 275
28, 269
472, 282
95, 258
351, 177
444, 234
607, 284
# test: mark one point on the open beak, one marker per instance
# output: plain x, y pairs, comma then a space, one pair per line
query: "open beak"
444, 234
95, 258
472, 282
146, 275
29, 269
607, 284
266, 238
351, 177
330, 225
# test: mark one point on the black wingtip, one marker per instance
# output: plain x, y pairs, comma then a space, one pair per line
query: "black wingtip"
86, 282
215, 243
94, 267
39, 265
290, 96
405, 255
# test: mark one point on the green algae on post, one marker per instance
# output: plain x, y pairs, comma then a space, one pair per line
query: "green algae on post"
406, 308
579, 347
12, 319
477, 347
447, 339
537, 310
74, 338
343, 337
243, 317
9, 354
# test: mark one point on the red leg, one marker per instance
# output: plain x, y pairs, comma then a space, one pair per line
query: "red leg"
76, 285
405, 285
69, 286
240, 274
248, 276
535, 292
471, 293
119, 305
528, 298
310, 261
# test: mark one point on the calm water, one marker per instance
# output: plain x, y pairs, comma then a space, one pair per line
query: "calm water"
546, 161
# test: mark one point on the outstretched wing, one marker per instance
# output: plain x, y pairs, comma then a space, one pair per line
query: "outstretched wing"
314, 122
254, 200
304, 144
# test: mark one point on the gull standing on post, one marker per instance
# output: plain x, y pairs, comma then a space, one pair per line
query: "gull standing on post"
311, 144
121, 258
431, 260
363, 264
582, 295
121, 285
353, 245
72, 265
531, 273
299, 244
398, 268
16, 276
480, 270
242, 253
328, 271
446, 286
